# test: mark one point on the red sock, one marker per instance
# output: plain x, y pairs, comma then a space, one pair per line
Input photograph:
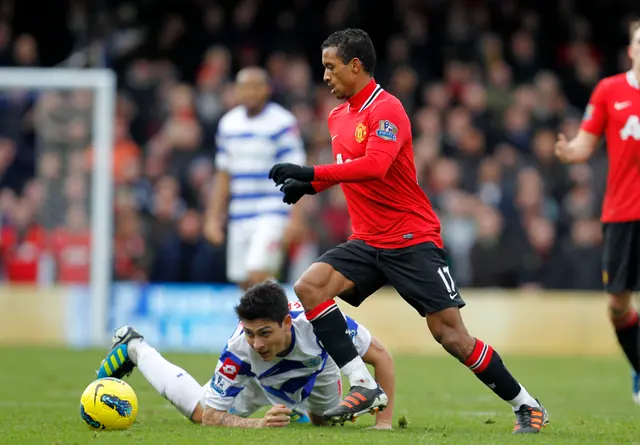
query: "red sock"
487, 365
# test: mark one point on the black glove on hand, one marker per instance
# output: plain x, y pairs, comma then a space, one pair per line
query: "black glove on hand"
280, 172
294, 190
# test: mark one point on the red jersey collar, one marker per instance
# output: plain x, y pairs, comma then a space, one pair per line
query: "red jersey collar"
363, 98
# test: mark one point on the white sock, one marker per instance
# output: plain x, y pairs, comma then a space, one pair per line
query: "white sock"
358, 374
173, 383
523, 398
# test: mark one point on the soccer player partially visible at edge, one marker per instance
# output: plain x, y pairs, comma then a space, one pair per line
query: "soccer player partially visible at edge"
614, 110
396, 235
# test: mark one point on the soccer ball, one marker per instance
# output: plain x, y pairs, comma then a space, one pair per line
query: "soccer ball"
109, 404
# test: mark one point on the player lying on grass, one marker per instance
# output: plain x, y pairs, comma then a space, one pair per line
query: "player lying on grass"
272, 359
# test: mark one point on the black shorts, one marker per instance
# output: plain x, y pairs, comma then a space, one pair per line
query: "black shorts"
419, 273
621, 257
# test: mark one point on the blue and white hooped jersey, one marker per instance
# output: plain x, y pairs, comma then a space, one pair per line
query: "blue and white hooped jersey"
247, 148
288, 380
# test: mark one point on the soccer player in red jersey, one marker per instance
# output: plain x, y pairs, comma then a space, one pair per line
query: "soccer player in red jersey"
614, 109
396, 236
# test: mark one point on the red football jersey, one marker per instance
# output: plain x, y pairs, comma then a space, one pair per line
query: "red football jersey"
614, 109
372, 145
73, 256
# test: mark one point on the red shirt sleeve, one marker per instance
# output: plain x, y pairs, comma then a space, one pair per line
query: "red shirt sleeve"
321, 186
594, 120
387, 129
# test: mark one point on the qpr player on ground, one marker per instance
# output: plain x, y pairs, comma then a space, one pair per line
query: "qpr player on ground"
273, 360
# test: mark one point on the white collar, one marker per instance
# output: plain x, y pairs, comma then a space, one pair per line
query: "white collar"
631, 78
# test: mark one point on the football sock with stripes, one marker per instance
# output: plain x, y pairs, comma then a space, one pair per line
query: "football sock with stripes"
487, 365
628, 333
331, 329
172, 382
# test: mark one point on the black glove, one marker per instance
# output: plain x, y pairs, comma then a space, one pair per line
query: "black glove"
280, 172
294, 190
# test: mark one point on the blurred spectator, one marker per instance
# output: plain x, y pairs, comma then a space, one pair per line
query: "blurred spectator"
23, 245
130, 250
542, 266
25, 51
71, 247
495, 256
126, 153
184, 256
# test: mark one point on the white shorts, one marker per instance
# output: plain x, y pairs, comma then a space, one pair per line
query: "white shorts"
255, 245
326, 394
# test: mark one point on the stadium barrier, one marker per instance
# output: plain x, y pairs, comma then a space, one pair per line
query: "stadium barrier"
513, 322
200, 318
30, 315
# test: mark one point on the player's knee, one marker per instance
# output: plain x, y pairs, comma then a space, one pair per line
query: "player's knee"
456, 342
308, 292
320, 283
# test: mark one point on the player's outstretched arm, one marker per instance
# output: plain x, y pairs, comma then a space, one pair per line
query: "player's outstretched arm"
380, 358
276, 417
214, 417
577, 150
372, 166
387, 128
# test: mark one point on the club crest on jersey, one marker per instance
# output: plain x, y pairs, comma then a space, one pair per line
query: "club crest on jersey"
361, 132
387, 131
588, 112
312, 362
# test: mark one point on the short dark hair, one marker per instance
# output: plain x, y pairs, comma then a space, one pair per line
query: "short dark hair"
353, 43
264, 301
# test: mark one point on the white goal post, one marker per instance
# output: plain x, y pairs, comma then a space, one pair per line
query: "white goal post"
102, 82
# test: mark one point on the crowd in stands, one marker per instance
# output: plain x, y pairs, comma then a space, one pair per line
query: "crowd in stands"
488, 86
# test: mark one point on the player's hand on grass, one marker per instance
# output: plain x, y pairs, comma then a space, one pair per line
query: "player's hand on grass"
294, 190
277, 417
281, 172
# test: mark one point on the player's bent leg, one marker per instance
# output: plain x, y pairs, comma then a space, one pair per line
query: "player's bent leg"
129, 350
449, 330
421, 276
316, 290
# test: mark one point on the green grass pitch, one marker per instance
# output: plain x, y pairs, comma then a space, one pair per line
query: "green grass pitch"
588, 399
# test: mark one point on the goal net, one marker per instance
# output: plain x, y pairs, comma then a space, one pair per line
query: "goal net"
61, 123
